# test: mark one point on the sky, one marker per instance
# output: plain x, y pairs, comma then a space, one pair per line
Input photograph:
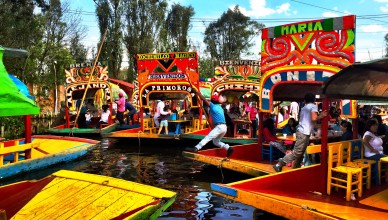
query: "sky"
371, 19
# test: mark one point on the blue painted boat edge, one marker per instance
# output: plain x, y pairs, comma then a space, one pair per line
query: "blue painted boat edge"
223, 189
33, 164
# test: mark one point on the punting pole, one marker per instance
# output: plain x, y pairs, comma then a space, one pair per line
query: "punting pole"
91, 73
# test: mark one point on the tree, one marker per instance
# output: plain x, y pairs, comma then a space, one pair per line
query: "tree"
206, 67
231, 35
78, 51
109, 13
143, 22
174, 34
386, 45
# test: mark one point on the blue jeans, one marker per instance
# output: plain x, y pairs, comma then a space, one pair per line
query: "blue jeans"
216, 135
376, 157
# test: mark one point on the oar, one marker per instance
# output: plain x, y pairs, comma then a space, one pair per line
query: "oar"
91, 76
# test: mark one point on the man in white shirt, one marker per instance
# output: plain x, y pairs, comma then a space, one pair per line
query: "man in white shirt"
294, 109
308, 116
159, 109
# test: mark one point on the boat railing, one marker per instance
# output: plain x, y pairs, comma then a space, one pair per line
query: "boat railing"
16, 150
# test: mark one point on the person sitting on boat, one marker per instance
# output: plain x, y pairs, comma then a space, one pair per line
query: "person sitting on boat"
120, 108
218, 118
159, 109
269, 136
104, 116
90, 107
346, 128
373, 149
81, 118
131, 111
164, 119
290, 127
88, 118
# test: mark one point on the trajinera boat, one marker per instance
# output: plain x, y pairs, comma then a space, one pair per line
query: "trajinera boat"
30, 152
101, 91
239, 82
286, 78
308, 192
75, 195
169, 76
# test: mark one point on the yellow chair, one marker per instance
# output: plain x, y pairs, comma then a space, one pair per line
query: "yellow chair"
357, 156
194, 126
342, 176
365, 167
148, 125
383, 161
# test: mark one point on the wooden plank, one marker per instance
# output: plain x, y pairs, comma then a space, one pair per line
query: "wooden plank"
44, 201
99, 205
123, 205
76, 198
379, 200
116, 183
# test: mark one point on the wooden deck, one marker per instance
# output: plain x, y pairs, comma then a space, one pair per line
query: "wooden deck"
295, 195
245, 159
74, 195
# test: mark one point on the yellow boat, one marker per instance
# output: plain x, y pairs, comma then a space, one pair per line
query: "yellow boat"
75, 195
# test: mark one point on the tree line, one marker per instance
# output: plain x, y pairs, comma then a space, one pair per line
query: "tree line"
53, 33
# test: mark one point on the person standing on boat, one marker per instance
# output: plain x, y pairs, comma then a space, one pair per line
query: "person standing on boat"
308, 116
159, 110
218, 118
294, 109
120, 108
131, 111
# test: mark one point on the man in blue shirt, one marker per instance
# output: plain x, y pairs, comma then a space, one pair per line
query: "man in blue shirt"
218, 118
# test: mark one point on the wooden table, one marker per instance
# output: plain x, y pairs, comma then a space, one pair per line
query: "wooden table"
248, 125
178, 125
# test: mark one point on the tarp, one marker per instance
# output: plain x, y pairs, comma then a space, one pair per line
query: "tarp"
21, 86
12, 101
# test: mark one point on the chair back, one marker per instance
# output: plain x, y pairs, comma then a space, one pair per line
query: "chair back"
146, 122
356, 149
334, 156
346, 152
196, 125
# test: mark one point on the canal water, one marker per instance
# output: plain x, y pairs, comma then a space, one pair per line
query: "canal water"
164, 167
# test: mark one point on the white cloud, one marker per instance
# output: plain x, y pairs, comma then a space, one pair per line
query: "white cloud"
384, 8
329, 14
259, 9
382, 1
372, 28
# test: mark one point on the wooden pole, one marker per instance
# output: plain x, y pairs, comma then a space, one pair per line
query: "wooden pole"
91, 73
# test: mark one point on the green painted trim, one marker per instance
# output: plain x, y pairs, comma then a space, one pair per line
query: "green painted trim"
163, 208
328, 24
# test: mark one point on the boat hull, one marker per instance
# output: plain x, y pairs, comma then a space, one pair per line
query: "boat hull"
199, 135
61, 130
71, 149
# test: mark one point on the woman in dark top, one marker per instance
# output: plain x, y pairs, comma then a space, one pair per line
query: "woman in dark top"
290, 128
346, 128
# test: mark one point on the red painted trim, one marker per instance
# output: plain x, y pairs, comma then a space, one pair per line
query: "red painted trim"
264, 33
67, 125
27, 128
324, 141
16, 196
260, 136
349, 22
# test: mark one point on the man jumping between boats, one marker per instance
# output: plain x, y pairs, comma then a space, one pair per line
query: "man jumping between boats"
218, 118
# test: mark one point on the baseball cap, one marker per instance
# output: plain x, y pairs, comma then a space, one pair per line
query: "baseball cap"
214, 97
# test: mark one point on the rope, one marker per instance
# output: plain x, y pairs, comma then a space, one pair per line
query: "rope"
220, 167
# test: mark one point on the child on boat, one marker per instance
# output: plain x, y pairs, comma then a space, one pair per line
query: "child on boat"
88, 118
163, 119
